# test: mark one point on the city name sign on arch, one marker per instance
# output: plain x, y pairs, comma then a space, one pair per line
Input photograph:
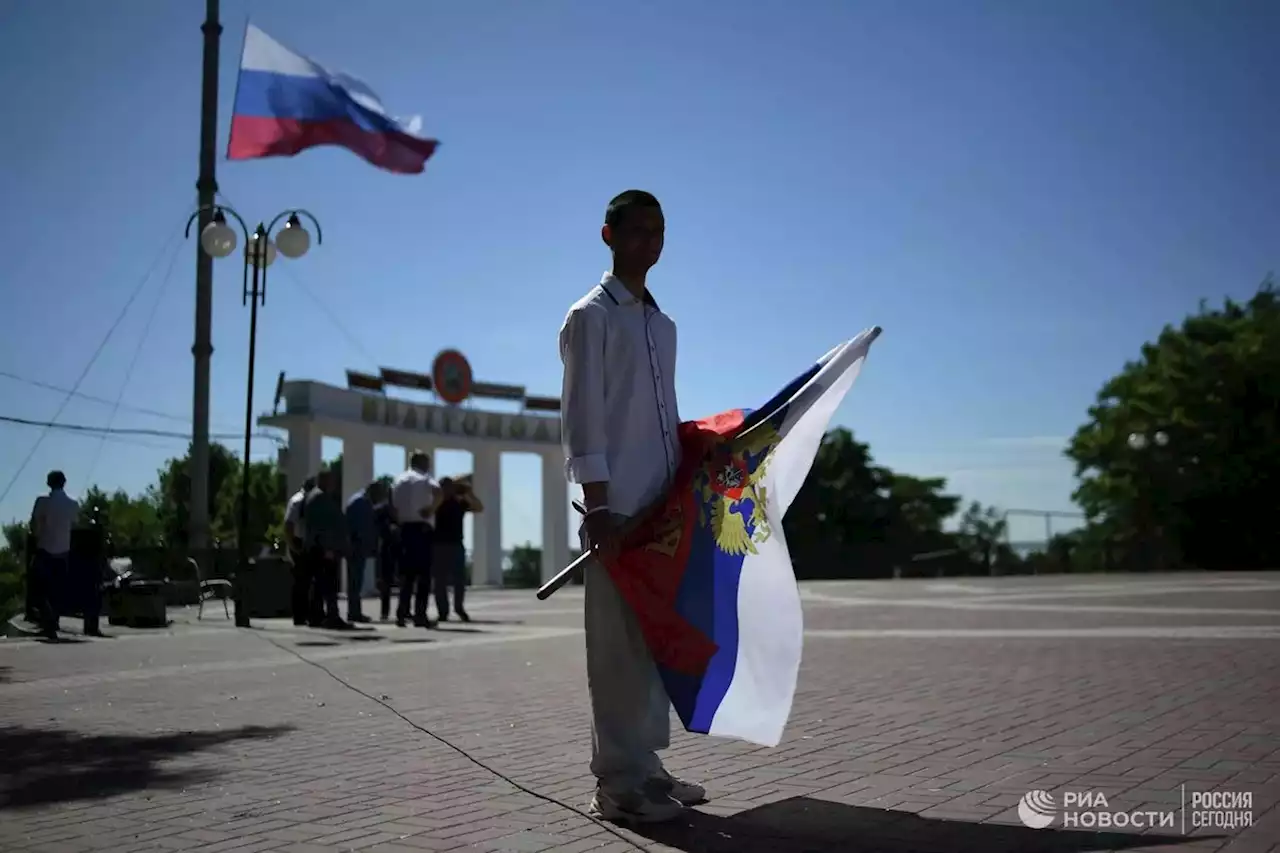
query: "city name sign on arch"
448, 421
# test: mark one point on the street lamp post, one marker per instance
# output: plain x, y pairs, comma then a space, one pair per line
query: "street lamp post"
218, 240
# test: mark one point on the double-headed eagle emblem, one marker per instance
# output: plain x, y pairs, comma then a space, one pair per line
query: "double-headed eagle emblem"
730, 491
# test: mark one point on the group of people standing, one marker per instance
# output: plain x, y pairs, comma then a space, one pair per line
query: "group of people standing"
412, 530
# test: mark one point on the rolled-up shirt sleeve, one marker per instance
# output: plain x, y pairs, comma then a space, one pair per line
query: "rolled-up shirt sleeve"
582, 414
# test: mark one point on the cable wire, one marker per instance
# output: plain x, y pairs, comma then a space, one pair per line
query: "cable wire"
459, 750
133, 362
333, 317
90, 398
315, 300
159, 433
169, 416
93, 359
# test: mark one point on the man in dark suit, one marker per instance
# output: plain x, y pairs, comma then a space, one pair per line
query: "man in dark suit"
388, 554
327, 543
449, 564
363, 529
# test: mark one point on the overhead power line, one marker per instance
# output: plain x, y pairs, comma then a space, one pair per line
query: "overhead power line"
133, 363
92, 399
158, 433
318, 303
93, 359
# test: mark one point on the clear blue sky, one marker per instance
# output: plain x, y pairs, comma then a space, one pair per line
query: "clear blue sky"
1020, 193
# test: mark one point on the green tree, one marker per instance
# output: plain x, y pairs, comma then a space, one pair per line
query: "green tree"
982, 536
170, 498
854, 517
525, 570
172, 492
1180, 457
13, 572
267, 497
917, 507
134, 521
130, 522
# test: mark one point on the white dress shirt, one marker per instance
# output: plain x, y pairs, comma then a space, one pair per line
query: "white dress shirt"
618, 410
293, 513
53, 516
411, 493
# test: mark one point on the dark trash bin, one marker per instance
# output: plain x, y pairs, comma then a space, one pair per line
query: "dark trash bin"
137, 603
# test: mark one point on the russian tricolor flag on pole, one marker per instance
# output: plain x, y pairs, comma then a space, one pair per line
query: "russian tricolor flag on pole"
286, 103
708, 574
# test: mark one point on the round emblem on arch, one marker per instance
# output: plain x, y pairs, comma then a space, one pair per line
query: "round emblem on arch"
451, 376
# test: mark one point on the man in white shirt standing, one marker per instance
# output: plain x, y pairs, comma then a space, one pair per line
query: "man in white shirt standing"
619, 425
303, 596
415, 496
52, 518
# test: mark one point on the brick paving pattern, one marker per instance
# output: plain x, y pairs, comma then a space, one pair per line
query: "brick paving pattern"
925, 711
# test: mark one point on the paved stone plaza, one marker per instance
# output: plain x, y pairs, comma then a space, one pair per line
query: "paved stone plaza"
925, 711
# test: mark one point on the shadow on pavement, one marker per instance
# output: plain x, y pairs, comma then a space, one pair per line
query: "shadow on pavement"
804, 825
43, 766
6, 674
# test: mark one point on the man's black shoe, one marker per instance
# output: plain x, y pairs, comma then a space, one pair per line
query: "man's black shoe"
462, 614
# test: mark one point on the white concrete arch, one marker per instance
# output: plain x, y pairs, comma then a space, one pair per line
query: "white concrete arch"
313, 410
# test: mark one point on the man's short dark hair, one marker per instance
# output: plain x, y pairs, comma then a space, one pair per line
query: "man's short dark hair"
625, 201
446, 482
56, 480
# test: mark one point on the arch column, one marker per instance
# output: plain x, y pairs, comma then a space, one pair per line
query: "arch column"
486, 554
357, 472
357, 464
555, 515
304, 453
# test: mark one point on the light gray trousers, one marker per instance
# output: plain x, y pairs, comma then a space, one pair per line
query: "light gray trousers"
630, 711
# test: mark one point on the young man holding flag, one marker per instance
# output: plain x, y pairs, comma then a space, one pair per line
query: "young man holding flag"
620, 428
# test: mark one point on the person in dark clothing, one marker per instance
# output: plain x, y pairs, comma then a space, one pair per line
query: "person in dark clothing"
90, 546
32, 609
294, 536
449, 564
363, 529
52, 519
388, 554
326, 544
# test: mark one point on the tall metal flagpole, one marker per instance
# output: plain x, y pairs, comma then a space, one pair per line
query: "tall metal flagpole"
202, 348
